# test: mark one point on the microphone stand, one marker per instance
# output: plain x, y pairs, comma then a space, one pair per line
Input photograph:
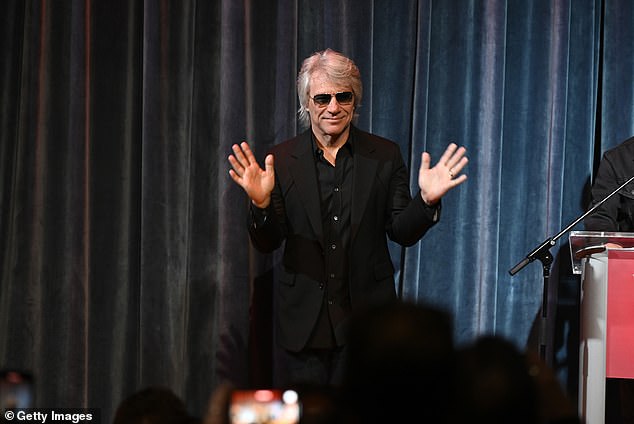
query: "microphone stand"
542, 252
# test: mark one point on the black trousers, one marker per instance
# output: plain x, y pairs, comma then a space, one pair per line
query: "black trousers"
312, 367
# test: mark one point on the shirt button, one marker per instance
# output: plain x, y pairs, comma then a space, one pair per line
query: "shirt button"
336, 189
332, 275
335, 218
321, 286
331, 302
333, 246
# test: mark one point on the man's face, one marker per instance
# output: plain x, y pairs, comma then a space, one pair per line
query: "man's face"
335, 117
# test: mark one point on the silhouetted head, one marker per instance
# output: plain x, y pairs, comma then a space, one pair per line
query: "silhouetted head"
493, 384
401, 361
153, 405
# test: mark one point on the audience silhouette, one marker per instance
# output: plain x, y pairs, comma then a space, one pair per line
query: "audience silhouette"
153, 405
493, 384
402, 366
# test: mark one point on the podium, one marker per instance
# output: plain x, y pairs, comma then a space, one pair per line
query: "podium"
606, 336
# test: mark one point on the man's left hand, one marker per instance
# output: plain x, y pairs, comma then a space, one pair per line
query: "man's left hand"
445, 175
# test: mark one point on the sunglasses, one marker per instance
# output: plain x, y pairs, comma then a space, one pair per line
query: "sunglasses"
343, 98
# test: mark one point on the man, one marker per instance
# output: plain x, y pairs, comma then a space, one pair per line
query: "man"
617, 213
334, 194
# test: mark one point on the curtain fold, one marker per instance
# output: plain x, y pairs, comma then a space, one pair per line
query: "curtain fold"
110, 181
125, 256
617, 96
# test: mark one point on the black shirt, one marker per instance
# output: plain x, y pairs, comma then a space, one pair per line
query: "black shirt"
335, 190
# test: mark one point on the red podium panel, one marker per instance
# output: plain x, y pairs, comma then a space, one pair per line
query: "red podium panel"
620, 315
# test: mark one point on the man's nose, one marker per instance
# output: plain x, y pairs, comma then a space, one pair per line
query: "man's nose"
334, 105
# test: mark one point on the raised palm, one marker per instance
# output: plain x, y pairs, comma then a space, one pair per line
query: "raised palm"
258, 183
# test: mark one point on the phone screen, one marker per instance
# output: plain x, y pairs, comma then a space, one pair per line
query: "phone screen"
264, 406
16, 390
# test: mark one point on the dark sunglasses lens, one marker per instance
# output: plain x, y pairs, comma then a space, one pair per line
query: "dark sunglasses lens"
322, 99
345, 97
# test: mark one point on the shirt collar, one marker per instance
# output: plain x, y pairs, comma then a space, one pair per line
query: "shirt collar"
349, 144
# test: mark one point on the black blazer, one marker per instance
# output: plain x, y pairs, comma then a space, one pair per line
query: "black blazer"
382, 207
617, 213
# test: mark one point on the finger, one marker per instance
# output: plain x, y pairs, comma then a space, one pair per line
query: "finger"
446, 156
457, 157
238, 168
425, 161
269, 164
248, 152
235, 177
239, 154
456, 168
458, 180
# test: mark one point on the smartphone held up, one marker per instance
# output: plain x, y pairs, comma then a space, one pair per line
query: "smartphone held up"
272, 406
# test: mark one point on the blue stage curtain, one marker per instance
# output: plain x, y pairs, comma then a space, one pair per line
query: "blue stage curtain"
125, 256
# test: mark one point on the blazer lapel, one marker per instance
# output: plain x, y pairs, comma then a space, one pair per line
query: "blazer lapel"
365, 166
302, 169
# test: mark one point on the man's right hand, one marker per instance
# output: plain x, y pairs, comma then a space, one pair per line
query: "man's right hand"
258, 183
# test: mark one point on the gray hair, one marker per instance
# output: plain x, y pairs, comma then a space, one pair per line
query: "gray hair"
338, 69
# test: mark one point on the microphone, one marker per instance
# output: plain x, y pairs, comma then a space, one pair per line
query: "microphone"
542, 249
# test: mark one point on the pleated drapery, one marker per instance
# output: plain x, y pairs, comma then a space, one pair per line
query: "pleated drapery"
125, 257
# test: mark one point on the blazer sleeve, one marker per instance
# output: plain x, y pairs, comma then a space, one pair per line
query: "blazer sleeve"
410, 218
265, 230
617, 212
